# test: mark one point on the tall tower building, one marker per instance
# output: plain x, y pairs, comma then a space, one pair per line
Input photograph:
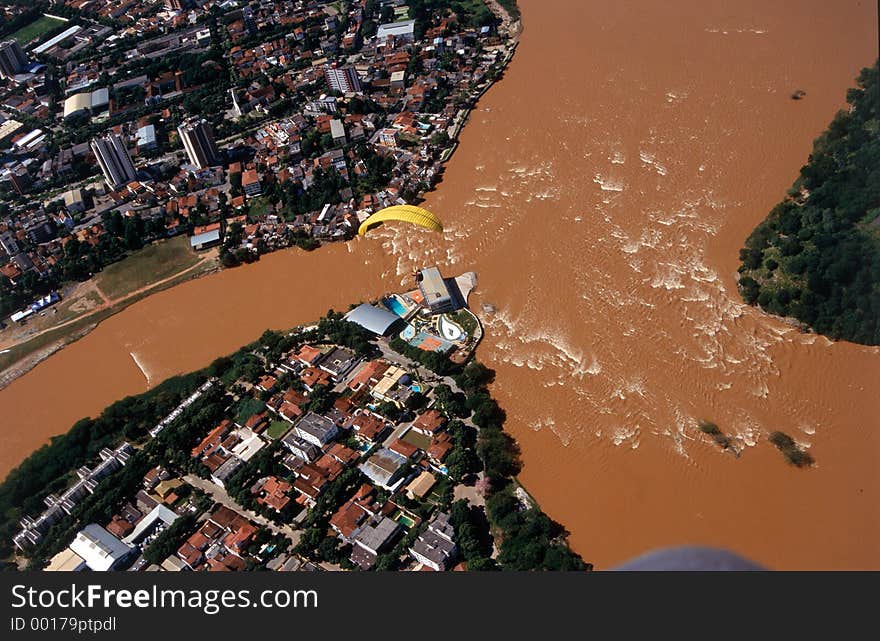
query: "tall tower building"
344, 79
12, 59
20, 179
114, 160
198, 140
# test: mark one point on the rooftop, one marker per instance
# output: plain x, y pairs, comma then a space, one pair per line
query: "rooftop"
373, 319
402, 28
382, 466
98, 548
374, 537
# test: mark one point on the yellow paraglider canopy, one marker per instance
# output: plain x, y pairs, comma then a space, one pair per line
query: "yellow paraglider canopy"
403, 213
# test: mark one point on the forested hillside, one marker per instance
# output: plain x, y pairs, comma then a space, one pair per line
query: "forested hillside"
817, 255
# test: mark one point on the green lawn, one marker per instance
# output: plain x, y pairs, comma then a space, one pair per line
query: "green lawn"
417, 438
277, 429
67, 332
464, 319
73, 307
259, 207
148, 265
36, 29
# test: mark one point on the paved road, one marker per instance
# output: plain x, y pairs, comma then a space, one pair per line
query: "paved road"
470, 493
222, 497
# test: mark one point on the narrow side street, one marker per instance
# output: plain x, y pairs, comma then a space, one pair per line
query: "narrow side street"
219, 494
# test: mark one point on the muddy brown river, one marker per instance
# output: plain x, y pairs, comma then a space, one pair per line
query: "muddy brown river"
601, 191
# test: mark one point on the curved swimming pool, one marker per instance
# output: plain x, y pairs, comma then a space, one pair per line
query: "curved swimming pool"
395, 306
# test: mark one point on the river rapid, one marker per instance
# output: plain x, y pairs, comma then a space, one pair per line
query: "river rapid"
601, 191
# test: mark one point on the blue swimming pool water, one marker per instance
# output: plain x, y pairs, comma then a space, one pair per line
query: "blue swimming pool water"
395, 306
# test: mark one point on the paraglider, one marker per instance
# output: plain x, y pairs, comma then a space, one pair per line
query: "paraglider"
403, 213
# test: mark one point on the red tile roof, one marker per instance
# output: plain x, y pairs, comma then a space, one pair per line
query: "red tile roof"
370, 371
403, 448
212, 439
312, 377
309, 355
119, 527
267, 382
290, 411
354, 511
204, 228
274, 493
440, 447
343, 454
429, 422
368, 426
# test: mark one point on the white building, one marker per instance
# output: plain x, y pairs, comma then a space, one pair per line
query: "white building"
100, 550
198, 140
337, 131
158, 515
315, 429
404, 29
436, 546
342, 79
114, 160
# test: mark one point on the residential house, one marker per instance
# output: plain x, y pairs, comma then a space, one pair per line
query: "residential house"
435, 547
385, 468
339, 362
367, 427
368, 375
316, 429
419, 487
355, 512
372, 539
429, 422
272, 492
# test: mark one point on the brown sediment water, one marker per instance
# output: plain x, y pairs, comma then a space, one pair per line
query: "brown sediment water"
602, 190
179, 330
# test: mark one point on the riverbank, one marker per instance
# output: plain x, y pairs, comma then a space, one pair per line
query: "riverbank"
816, 256
606, 285
511, 29
19, 357
446, 431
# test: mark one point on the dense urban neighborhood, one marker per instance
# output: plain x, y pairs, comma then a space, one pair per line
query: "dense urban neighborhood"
430, 286
247, 126
365, 441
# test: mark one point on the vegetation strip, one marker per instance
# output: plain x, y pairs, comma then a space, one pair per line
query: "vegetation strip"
816, 258
509, 532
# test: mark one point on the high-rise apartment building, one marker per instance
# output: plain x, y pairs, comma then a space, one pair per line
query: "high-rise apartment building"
114, 160
198, 140
12, 59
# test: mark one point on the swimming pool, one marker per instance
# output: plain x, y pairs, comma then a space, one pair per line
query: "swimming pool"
408, 332
395, 306
404, 520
